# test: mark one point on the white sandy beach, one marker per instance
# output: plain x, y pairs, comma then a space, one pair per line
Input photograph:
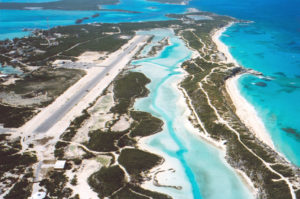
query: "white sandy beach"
245, 111
221, 46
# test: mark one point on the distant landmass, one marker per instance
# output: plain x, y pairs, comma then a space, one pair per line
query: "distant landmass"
61, 5
183, 2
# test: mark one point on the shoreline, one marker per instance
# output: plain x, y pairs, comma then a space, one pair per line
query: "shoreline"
186, 101
221, 47
242, 106
244, 109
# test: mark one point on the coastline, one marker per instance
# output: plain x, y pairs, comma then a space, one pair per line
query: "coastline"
235, 157
242, 106
191, 121
221, 47
164, 181
220, 145
244, 109
166, 177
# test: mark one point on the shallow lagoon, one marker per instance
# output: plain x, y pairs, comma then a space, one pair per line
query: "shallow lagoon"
9, 70
200, 167
12, 22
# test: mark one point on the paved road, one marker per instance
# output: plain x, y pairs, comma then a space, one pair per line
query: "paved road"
65, 108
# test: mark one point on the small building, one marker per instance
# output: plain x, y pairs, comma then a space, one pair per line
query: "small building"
60, 164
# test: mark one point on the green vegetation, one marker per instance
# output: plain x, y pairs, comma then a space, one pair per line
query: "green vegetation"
74, 126
13, 117
107, 180
16, 163
52, 82
67, 42
103, 141
137, 161
146, 124
131, 191
157, 48
237, 154
298, 193
12, 160
148, 193
21, 189
55, 185
108, 43
284, 170
43, 84
110, 181
69, 133
126, 141
74, 181
127, 193
127, 88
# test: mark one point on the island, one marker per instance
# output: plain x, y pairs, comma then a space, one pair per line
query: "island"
60, 5
76, 135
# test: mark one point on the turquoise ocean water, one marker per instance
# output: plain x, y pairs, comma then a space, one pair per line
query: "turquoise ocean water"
13, 22
9, 70
270, 45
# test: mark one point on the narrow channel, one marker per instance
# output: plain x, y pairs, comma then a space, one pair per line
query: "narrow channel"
200, 168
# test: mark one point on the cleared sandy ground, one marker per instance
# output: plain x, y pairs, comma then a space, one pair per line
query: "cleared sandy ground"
116, 61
